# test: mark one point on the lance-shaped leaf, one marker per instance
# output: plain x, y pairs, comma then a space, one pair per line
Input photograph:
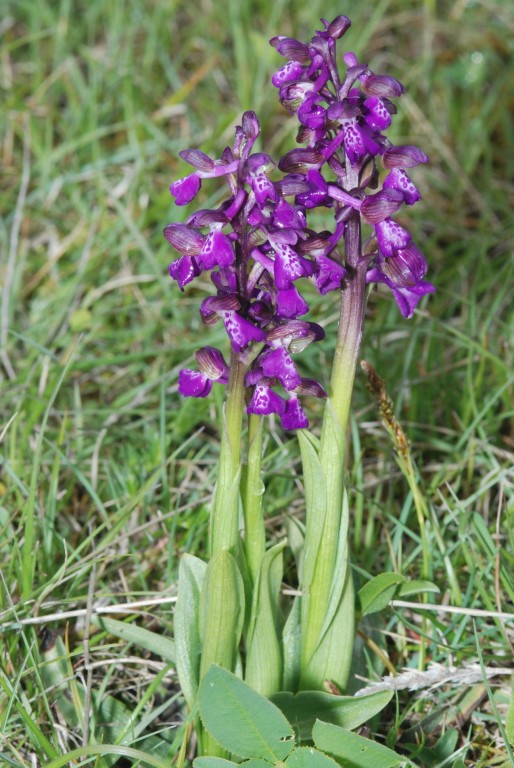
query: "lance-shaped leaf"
315, 503
191, 575
264, 656
222, 608
357, 751
241, 720
303, 709
331, 656
292, 647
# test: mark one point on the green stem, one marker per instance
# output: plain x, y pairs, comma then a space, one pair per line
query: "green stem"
255, 540
225, 506
332, 454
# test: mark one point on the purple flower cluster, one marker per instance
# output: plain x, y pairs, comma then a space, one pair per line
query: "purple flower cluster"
256, 245
250, 245
342, 122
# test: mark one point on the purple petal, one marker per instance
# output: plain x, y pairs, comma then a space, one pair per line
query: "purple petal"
294, 335
289, 266
213, 307
376, 208
241, 331
216, 251
381, 85
338, 27
197, 159
406, 156
330, 274
398, 179
407, 298
184, 270
294, 416
212, 364
289, 72
279, 365
377, 115
264, 401
193, 384
354, 144
185, 239
391, 236
286, 215
407, 267
290, 304
250, 125
310, 387
184, 190
291, 49
262, 187
300, 160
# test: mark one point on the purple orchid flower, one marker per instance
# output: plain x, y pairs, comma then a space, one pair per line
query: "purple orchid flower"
251, 247
343, 120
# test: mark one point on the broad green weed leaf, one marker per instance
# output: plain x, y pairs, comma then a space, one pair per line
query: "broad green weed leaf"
308, 757
377, 593
256, 762
303, 709
357, 751
264, 656
191, 575
241, 720
213, 762
151, 641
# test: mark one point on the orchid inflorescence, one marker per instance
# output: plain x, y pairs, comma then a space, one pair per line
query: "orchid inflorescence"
257, 244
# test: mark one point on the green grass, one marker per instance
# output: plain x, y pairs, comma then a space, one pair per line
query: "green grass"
106, 474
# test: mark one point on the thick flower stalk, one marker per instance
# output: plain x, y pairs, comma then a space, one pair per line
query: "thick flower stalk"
342, 123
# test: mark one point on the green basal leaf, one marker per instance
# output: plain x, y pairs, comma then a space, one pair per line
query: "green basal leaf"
357, 751
241, 720
191, 576
222, 608
292, 647
416, 587
332, 656
212, 762
304, 708
256, 762
264, 655
315, 499
378, 593
308, 757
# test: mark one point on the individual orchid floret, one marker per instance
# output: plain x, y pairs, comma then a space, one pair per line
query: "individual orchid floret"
212, 368
403, 273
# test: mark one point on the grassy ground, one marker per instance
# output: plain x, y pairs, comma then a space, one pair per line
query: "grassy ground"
106, 474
